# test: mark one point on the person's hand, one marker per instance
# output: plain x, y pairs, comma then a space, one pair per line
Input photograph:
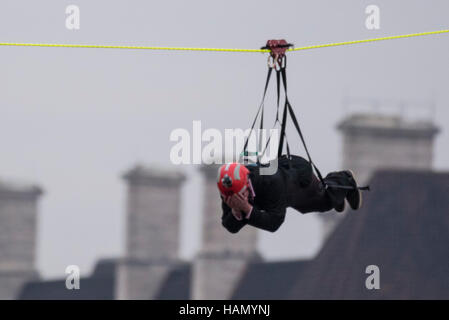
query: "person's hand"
235, 212
239, 203
227, 200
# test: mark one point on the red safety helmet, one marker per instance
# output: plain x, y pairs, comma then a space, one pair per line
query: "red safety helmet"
232, 178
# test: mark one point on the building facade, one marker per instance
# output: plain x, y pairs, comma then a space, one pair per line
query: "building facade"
18, 218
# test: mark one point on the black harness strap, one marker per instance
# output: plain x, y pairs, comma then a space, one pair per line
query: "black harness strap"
289, 108
283, 126
347, 187
278, 89
295, 122
261, 107
298, 129
260, 132
283, 134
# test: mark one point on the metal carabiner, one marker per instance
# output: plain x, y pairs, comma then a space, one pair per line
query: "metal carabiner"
283, 62
271, 62
280, 63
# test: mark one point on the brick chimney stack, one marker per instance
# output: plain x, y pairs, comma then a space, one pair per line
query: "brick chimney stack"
223, 256
152, 238
18, 218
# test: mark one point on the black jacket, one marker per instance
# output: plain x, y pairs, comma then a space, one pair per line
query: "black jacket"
274, 193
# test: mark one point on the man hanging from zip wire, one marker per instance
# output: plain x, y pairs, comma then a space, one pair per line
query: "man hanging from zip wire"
251, 198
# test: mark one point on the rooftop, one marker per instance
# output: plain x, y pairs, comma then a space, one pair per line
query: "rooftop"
384, 123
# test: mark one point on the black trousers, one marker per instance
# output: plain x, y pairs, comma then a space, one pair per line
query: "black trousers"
315, 198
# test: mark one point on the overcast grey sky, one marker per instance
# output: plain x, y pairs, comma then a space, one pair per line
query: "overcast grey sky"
74, 120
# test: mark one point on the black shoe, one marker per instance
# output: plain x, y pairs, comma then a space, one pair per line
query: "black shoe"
340, 207
354, 196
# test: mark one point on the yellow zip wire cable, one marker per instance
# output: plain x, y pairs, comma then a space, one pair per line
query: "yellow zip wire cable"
370, 40
216, 49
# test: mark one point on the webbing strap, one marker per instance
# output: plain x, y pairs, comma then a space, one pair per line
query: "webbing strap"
260, 133
289, 108
278, 89
261, 106
298, 129
277, 111
347, 187
283, 126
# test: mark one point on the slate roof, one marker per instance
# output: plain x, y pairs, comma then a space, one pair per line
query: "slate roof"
403, 228
177, 284
268, 280
100, 285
